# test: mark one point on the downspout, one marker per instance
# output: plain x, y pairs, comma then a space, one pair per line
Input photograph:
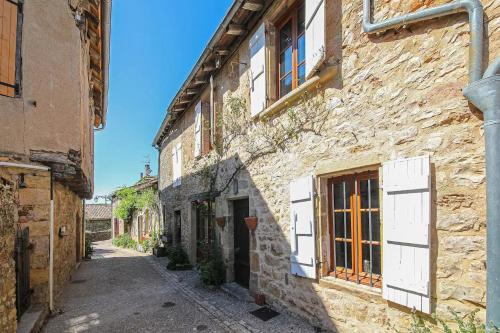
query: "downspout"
51, 223
484, 93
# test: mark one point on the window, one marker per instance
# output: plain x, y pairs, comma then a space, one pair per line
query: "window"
291, 50
9, 48
355, 228
176, 165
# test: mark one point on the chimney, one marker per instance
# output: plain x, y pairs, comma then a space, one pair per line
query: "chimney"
142, 176
147, 170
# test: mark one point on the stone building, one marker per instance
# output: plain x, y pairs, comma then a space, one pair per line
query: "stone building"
53, 90
98, 221
145, 220
357, 153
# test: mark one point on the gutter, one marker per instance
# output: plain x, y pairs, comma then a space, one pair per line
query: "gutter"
106, 23
51, 222
221, 30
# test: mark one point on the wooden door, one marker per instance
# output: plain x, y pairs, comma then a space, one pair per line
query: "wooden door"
241, 243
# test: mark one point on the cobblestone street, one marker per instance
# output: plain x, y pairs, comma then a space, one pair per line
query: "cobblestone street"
126, 291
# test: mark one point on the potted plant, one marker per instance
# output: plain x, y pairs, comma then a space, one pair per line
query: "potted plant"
251, 222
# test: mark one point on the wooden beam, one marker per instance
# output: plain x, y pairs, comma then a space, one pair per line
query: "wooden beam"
192, 91
222, 52
208, 67
236, 30
198, 81
253, 5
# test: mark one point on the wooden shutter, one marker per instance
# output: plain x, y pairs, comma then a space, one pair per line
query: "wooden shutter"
258, 71
197, 129
302, 228
315, 35
8, 34
406, 222
174, 166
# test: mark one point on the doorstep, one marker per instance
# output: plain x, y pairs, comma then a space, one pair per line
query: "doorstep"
237, 291
32, 320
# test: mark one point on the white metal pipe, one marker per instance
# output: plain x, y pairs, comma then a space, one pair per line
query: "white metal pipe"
473, 7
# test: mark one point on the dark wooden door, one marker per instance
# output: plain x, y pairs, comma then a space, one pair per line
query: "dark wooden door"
241, 243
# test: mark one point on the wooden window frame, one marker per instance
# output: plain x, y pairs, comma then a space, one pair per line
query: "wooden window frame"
356, 273
291, 14
16, 85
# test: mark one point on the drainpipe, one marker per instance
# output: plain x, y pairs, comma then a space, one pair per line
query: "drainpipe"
51, 223
473, 7
484, 93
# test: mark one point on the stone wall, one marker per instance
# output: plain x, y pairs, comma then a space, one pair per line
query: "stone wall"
98, 230
68, 228
8, 220
393, 95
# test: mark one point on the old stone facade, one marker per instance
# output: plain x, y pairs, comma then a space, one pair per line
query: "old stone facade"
378, 98
8, 218
49, 110
98, 221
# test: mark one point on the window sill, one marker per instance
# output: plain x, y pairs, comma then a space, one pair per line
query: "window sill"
342, 285
326, 74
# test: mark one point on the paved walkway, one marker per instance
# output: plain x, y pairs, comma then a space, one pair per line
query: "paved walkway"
126, 291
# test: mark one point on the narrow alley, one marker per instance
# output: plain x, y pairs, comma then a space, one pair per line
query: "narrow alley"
126, 291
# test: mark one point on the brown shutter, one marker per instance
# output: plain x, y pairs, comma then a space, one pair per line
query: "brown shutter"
8, 29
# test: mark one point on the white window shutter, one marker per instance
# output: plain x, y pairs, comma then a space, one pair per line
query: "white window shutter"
406, 218
179, 164
197, 130
258, 71
174, 167
315, 35
302, 228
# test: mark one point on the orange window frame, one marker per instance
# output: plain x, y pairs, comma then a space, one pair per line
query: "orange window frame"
356, 271
291, 16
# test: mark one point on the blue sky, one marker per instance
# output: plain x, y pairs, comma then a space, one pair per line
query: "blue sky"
154, 45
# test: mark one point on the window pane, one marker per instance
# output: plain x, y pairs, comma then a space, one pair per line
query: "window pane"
375, 264
340, 257
301, 22
286, 61
286, 85
338, 195
365, 226
301, 48
302, 73
339, 225
373, 192
286, 36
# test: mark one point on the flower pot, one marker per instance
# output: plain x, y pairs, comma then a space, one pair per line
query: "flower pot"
221, 221
260, 299
159, 251
251, 222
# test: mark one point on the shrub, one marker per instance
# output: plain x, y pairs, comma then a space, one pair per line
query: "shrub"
178, 259
125, 241
127, 204
146, 245
212, 267
89, 249
468, 324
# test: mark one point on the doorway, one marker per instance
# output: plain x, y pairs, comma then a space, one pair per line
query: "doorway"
177, 228
241, 243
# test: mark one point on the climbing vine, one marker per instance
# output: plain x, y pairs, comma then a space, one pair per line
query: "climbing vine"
131, 200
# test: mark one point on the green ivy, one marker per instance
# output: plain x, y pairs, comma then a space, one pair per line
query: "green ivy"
128, 203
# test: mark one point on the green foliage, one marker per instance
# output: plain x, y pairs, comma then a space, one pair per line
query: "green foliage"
212, 267
147, 199
125, 241
155, 239
178, 259
127, 204
468, 324
131, 200
89, 249
146, 245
